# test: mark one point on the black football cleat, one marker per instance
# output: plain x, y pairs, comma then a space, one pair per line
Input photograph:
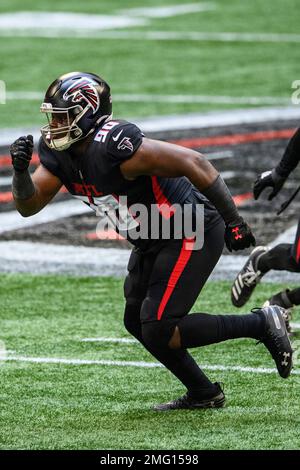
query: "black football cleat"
276, 338
281, 299
248, 278
186, 402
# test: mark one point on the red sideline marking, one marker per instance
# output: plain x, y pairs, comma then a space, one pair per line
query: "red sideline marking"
214, 141
184, 256
7, 196
104, 235
239, 199
5, 160
235, 139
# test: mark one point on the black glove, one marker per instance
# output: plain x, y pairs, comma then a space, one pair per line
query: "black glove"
21, 153
268, 179
238, 235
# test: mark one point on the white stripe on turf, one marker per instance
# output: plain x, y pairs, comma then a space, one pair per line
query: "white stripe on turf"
110, 340
128, 98
194, 36
186, 121
45, 258
90, 33
5, 180
288, 236
23, 256
82, 362
57, 24
12, 220
168, 11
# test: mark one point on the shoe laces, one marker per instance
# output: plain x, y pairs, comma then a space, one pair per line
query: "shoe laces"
250, 277
181, 400
267, 335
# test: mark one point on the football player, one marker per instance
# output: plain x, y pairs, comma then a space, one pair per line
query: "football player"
100, 159
283, 257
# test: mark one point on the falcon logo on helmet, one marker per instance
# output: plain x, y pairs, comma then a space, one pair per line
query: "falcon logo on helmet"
83, 88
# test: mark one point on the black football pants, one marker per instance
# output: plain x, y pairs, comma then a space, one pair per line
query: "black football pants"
160, 290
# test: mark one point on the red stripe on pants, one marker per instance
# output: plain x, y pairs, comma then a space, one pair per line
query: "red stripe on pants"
298, 251
163, 204
184, 256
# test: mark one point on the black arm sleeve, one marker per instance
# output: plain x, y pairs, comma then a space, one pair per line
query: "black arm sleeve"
291, 156
219, 195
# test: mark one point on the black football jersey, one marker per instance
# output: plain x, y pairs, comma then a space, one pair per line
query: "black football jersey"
95, 178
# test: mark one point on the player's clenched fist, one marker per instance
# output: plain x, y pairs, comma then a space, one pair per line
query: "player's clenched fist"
21, 152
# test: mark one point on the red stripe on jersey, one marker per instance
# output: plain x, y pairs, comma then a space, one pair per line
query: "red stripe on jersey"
164, 206
184, 256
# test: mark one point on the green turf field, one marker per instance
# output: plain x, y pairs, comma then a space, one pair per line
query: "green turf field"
234, 69
62, 406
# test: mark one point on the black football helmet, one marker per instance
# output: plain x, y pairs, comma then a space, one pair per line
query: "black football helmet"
75, 104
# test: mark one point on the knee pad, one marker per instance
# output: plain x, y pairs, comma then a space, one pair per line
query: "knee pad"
157, 334
149, 310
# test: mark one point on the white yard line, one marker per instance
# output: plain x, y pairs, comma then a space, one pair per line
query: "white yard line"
32, 23
182, 122
24, 95
195, 36
97, 33
149, 97
143, 364
220, 118
169, 11
197, 99
110, 340
202, 36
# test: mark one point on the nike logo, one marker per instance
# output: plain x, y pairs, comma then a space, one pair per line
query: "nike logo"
117, 136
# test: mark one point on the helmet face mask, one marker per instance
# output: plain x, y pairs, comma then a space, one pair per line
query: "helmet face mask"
61, 131
74, 104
